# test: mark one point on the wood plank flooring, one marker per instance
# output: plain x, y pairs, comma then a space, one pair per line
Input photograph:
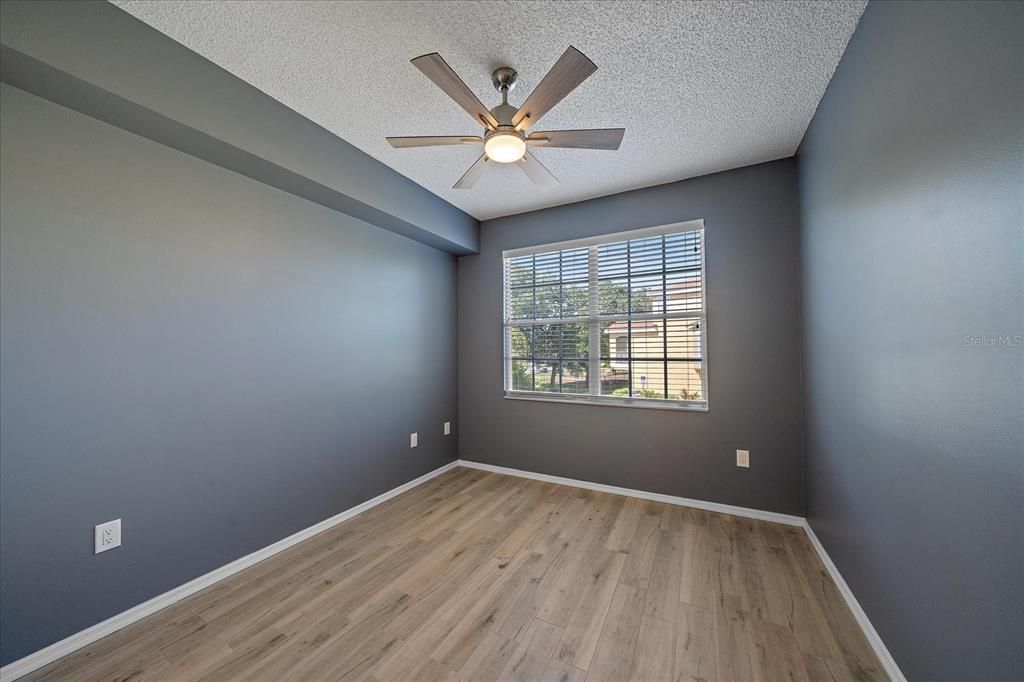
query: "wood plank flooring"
479, 576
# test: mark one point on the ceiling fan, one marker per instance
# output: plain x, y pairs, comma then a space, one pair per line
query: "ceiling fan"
505, 138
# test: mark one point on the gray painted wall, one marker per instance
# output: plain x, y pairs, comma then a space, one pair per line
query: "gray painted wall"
752, 243
912, 215
216, 362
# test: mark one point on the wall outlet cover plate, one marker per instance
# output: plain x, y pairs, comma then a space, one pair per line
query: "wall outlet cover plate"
107, 536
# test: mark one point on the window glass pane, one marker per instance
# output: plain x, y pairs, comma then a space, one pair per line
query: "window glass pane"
613, 338
522, 375
520, 304
550, 376
645, 255
547, 341
575, 300
645, 293
612, 260
684, 292
575, 377
614, 378
682, 251
684, 381
613, 296
519, 271
548, 302
561, 341
520, 343
648, 340
547, 376
575, 341
648, 379
547, 268
575, 265
684, 339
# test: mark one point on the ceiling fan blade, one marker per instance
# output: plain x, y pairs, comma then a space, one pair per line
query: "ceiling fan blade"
436, 69
597, 138
571, 69
536, 171
470, 177
432, 141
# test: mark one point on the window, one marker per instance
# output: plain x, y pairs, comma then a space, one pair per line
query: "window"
618, 319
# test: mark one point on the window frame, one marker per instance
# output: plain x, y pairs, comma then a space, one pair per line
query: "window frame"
594, 353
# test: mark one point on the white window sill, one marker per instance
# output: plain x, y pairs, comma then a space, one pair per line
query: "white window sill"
609, 401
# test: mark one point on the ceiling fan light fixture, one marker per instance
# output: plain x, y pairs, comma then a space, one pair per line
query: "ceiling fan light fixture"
504, 147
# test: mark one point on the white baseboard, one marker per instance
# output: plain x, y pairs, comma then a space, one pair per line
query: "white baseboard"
747, 512
886, 659
23, 666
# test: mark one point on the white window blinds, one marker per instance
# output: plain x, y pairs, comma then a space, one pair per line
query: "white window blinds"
619, 319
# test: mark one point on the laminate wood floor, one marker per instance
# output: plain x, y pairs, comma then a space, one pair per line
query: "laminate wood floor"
479, 576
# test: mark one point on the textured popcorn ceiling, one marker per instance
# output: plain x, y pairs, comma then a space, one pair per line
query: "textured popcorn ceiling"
699, 86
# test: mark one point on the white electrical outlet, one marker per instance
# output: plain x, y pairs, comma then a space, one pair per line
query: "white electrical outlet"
108, 535
447, 428
414, 439
743, 458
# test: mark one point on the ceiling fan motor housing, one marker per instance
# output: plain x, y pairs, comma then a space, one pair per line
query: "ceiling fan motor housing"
503, 114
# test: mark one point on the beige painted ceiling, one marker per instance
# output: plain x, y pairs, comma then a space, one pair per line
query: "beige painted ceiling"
699, 86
